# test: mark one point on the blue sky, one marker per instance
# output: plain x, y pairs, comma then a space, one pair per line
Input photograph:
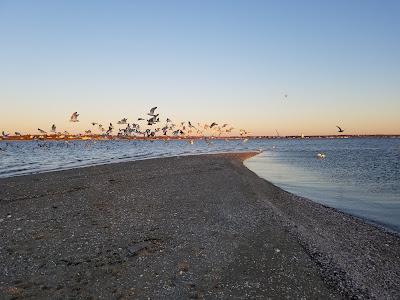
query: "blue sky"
225, 61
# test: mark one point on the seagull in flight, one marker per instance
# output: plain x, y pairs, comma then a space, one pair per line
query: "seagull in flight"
340, 129
41, 131
213, 124
53, 128
74, 117
123, 121
152, 111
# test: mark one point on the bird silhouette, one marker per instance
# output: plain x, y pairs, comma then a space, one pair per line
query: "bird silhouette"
340, 129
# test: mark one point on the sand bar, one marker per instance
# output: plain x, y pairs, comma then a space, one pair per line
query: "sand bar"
183, 227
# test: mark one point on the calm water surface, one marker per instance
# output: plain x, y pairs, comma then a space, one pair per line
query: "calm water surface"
358, 176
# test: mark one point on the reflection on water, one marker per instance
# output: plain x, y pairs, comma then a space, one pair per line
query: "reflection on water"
359, 176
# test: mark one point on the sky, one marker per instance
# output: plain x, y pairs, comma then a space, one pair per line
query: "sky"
233, 61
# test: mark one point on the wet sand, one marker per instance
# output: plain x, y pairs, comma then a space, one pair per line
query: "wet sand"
183, 227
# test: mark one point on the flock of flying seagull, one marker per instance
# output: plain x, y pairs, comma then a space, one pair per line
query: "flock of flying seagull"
182, 129
153, 128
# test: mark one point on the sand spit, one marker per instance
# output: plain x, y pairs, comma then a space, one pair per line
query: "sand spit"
183, 227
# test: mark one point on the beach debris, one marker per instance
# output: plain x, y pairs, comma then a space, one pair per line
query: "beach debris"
183, 266
138, 247
321, 155
144, 247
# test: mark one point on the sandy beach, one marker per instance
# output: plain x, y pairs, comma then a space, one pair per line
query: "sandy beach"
183, 227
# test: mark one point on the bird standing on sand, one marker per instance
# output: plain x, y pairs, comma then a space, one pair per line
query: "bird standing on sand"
340, 129
41, 131
74, 117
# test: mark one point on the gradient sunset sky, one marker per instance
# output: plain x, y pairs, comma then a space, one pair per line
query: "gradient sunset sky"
224, 61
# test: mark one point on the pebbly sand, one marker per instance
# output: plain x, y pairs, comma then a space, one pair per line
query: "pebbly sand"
183, 227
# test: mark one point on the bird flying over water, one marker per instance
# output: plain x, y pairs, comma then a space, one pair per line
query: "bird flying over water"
152, 111
53, 128
74, 117
123, 121
340, 129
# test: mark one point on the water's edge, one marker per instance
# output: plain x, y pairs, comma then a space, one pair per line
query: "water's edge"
380, 225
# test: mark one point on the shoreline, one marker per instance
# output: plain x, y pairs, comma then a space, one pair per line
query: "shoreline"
379, 225
126, 160
342, 255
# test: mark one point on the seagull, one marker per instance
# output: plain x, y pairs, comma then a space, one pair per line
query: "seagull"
140, 119
17, 133
340, 129
213, 124
152, 111
4, 134
53, 128
41, 131
168, 120
123, 121
243, 132
153, 120
94, 123
74, 117
321, 155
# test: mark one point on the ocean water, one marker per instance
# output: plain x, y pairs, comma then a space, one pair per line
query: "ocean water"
360, 176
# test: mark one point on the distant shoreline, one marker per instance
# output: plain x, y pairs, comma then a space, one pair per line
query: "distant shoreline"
163, 138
